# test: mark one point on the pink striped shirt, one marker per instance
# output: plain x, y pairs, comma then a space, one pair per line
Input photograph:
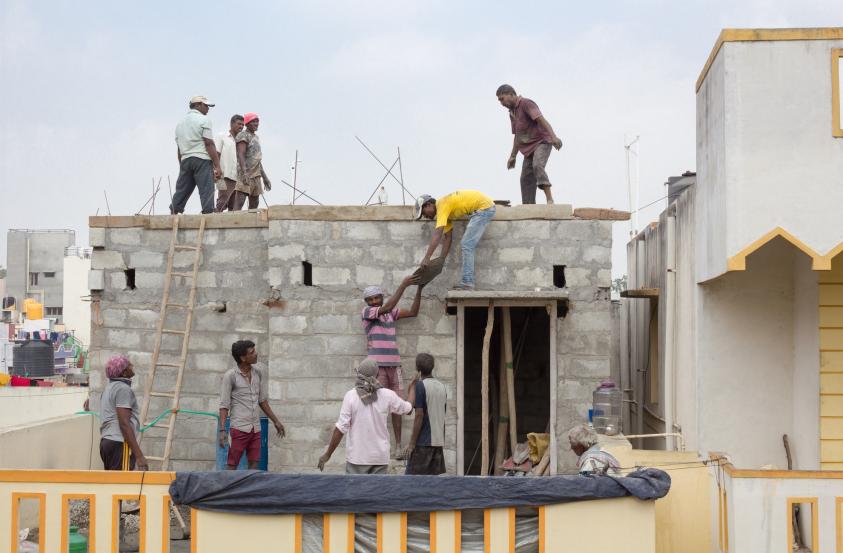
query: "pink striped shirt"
380, 336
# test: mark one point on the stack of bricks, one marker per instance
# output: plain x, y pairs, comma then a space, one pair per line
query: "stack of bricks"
311, 339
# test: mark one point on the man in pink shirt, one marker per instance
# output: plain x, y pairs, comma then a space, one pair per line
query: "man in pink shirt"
533, 137
362, 419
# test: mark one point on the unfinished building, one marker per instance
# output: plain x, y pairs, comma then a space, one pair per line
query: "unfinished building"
291, 280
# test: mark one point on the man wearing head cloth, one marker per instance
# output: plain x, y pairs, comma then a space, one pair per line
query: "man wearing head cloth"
363, 421
379, 323
249, 165
120, 425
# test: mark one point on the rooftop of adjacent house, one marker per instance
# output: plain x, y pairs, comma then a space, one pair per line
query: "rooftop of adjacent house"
261, 217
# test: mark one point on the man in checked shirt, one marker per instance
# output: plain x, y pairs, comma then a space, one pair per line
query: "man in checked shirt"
244, 389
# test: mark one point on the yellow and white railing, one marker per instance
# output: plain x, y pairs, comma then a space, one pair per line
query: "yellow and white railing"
773, 510
577, 526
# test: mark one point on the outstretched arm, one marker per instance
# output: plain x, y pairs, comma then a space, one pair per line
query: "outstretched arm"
414, 310
556, 141
434, 243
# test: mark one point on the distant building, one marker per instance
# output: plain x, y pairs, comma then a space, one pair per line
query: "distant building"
77, 309
735, 332
35, 267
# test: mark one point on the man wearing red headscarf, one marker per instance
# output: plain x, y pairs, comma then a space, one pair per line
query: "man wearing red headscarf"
250, 171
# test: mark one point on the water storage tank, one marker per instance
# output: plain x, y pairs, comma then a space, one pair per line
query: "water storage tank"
607, 408
34, 310
33, 358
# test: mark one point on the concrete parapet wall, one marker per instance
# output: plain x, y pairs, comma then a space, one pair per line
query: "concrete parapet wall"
310, 337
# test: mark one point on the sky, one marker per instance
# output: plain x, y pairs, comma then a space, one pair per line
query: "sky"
91, 93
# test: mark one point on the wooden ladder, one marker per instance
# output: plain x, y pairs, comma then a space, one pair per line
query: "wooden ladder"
174, 394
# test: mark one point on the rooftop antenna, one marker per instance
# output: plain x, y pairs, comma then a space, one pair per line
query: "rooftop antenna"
294, 173
633, 189
389, 173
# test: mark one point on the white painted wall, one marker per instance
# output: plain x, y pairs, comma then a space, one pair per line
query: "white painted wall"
21, 406
70, 443
755, 383
765, 153
76, 312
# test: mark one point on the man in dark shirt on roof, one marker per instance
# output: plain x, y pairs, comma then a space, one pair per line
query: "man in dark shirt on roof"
532, 136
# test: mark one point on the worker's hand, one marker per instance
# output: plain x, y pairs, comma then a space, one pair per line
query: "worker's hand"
223, 440
217, 172
141, 463
280, 429
425, 263
408, 452
322, 460
510, 164
410, 280
267, 185
557, 143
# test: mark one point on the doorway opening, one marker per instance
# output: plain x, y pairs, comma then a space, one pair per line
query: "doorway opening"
531, 360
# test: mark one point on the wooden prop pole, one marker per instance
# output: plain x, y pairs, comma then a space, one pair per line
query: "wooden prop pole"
503, 415
484, 391
510, 379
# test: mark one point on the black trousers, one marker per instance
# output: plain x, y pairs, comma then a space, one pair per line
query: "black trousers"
194, 173
112, 452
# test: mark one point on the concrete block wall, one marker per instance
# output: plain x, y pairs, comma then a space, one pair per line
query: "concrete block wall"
311, 341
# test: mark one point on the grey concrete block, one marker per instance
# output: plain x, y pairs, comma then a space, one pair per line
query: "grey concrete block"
362, 230
437, 345
123, 339
300, 230
96, 237
149, 280
597, 254
541, 277
143, 318
124, 236
331, 276
498, 230
578, 276
304, 389
338, 254
604, 278
107, 259
330, 324
367, 276
287, 252
292, 324
96, 280
555, 254
529, 230
516, 255
587, 367
411, 230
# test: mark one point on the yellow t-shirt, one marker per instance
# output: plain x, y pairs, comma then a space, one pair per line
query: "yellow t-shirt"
459, 204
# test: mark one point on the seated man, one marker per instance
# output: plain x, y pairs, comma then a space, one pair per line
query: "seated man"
592, 460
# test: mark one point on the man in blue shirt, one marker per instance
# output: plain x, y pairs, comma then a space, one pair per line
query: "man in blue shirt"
428, 395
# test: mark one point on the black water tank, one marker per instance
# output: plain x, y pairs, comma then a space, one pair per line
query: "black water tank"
33, 358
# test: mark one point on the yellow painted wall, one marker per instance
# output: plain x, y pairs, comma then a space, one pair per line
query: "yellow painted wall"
682, 517
831, 366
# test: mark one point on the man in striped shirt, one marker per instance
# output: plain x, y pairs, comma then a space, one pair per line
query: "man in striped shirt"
379, 322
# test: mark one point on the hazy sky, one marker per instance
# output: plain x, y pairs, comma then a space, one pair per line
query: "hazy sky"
91, 92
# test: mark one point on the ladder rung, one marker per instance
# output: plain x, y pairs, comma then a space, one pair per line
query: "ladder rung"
182, 305
186, 275
153, 458
171, 331
162, 394
185, 247
176, 365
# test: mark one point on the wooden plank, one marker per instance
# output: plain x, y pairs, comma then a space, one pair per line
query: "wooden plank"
831, 317
392, 533
831, 383
831, 428
445, 532
831, 294
499, 530
647, 293
484, 389
503, 413
510, 379
831, 361
460, 390
831, 406
831, 338
554, 383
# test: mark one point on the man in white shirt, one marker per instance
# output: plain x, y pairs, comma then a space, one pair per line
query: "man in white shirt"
227, 150
199, 163
363, 416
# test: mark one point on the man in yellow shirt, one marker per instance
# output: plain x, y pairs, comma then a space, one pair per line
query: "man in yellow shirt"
477, 206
